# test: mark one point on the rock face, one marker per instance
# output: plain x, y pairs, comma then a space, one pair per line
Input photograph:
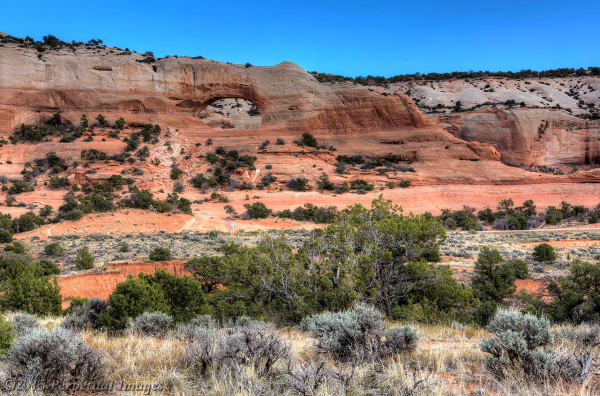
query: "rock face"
524, 124
528, 136
173, 91
287, 97
231, 114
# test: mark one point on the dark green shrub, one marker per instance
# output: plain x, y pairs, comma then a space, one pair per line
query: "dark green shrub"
131, 298
6, 335
120, 123
553, 215
492, 279
84, 259
298, 184
141, 199
181, 297
93, 155
101, 120
175, 172
544, 253
53, 249
160, 254
185, 205
361, 184
324, 184
31, 291
258, 210
46, 211
48, 267
19, 187
518, 221
519, 267
405, 183
17, 248
309, 140
6, 236
58, 182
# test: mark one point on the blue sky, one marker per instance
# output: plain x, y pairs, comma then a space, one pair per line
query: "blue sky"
342, 37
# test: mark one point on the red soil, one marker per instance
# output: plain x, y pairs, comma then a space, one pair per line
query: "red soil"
102, 284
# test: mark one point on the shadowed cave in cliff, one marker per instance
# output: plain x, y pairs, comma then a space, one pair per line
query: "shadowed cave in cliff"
231, 113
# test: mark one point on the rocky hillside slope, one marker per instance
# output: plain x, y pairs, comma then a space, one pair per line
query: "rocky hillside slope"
365, 140
176, 91
532, 122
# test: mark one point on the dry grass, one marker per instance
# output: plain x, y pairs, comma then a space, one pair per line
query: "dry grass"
447, 361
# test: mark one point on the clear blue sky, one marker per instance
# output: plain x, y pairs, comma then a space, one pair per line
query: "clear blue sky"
342, 37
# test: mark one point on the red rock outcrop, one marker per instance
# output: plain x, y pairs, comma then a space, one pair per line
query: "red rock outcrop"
173, 91
528, 136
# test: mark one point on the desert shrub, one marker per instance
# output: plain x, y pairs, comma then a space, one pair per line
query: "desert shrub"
324, 184
19, 187
357, 333
553, 215
6, 335
120, 123
160, 254
361, 184
84, 259
74, 304
86, 317
46, 211
24, 323
154, 324
258, 210
6, 236
574, 297
298, 184
544, 253
30, 290
53, 249
492, 278
93, 154
60, 357
487, 216
520, 344
180, 297
405, 183
58, 182
518, 221
141, 199
101, 120
501, 224
175, 172
16, 247
279, 142
185, 205
309, 140
519, 267
131, 298
255, 346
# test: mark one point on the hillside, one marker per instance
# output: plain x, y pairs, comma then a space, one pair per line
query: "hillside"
531, 121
